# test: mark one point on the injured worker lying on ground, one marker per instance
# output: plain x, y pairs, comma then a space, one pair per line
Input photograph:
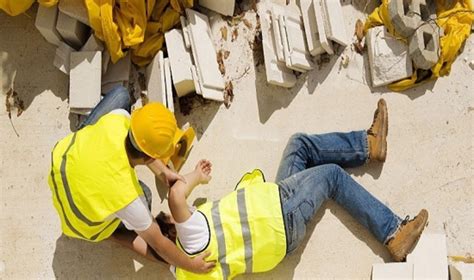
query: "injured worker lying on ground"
254, 227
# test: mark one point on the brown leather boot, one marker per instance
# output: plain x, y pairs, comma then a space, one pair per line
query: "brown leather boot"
407, 235
377, 133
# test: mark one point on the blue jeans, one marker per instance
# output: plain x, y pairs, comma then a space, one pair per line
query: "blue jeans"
311, 172
117, 98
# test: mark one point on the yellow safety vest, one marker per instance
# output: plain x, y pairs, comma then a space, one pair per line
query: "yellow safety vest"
247, 233
91, 178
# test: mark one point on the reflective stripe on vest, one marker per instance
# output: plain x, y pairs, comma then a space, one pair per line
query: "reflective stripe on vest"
246, 233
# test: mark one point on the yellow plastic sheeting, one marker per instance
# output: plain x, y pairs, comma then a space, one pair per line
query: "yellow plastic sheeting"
134, 24
16, 7
455, 17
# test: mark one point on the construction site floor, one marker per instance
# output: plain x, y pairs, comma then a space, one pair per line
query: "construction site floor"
429, 163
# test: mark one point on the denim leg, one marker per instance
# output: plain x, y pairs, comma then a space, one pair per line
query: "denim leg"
304, 151
117, 98
303, 193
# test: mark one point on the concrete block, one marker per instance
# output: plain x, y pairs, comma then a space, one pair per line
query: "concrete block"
430, 257
187, 40
404, 15
92, 44
461, 271
45, 22
180, 61
322, 32
62, 57
84, 79
392, 271
168, 86
334, 22
73, 32
311, 27
118, 72
225, 7
155, 79
424, 46
276, 71
388, 57
276, 12
297, 56
204, 54
75, 9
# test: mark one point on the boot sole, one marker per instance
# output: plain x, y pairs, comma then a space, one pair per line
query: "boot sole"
383, 152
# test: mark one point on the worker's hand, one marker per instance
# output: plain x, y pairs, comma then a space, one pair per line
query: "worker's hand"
203, 169
171, 177
200, 265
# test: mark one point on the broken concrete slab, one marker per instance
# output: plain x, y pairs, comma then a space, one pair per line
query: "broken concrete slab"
168, 86
430, 257
84, 79
297, 56
74, 32
155, 79
204, 54
334, 22
461, 271
62, 57
322, 32
311, 27
392, 271
180, 61
45, 22
388, 57
276, 71
75, 9
404, 15
118, 72
424, 46
225, 7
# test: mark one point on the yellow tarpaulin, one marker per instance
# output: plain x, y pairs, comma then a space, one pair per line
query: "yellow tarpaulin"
137, 25
455, 17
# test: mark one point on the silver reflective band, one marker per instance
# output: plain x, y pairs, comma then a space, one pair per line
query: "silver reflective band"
132, 140
247, 236
221, 247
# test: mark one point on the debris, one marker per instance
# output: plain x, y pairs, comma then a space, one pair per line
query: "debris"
45, 22
62, 57
344, 60
424, 46
235, 34
84, 81
75, 9
224, 33
461, 271
13, 101
228, 94
220, 61
322, 29
386, 271
118, 72
168, 86
155, 80
359, 30
72, 31
388, 57
247, 23
334, 22
226, 54
430, 257
311, 27
359, 47
180, 62
225, 7
322, 60
405, 16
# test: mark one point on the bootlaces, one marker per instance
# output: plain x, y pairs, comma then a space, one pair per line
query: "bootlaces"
406, 220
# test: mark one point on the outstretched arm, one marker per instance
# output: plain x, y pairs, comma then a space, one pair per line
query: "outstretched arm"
181, 190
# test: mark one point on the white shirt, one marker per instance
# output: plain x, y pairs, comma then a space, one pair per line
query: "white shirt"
193, 234
136, 215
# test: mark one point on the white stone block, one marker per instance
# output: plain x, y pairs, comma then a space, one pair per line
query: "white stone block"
322, 32
84, 79
180, 61
204, 54
297, 56
388, 57
334, 22
75, 9
45, 22
276, 71
168, 86
310, 27
118, 72
461, 271
430, 257
276, 12
225, 7
392, 271
73, 32
62, 57
155, 79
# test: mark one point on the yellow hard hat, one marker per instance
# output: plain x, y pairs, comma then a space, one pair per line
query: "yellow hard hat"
153, 129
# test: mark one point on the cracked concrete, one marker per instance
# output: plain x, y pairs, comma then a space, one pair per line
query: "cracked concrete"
429, 163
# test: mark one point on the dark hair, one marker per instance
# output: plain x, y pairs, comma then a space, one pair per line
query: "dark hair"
167, 228
134, 153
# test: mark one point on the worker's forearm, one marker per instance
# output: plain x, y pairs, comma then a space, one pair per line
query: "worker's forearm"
185, 188
157, 167
171, 254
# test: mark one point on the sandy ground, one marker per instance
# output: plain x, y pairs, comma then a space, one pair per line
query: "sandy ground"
429, 160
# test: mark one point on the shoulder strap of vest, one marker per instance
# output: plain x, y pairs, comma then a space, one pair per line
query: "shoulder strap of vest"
249, 178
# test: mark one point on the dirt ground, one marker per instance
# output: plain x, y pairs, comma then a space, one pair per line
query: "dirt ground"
429, 163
